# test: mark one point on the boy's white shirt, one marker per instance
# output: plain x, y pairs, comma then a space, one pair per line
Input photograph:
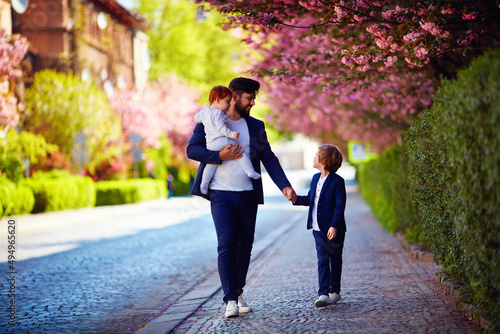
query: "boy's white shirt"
319, 186
215, 122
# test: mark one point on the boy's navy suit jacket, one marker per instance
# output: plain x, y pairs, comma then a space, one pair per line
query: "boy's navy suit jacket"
331, 204
260, 150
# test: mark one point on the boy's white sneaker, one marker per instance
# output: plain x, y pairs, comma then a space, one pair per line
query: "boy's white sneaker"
335, 297
323, 300
232, 309
243, 305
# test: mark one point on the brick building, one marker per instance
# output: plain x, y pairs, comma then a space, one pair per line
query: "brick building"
97, 39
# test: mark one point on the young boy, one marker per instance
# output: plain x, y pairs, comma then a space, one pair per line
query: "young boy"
217, 134
326, 200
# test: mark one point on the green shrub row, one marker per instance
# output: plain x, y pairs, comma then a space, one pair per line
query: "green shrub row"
61, 193
129, 191
458, 194
452, 165
385, 186
59, 190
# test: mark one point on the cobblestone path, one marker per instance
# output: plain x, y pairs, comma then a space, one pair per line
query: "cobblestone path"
383, 289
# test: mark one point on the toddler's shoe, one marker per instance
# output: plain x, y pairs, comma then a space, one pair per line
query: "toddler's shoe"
243, 305
253, 175
232, 309
323, 300
335, 297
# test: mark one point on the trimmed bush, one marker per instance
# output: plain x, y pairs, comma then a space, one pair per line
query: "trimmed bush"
430, 178
17, 200
384, 185
23, 199
454, 155
129, 191
52, 194
6, 189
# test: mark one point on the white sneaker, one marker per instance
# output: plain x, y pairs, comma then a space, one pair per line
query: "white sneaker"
323, 300
243, 305
232, 309
335, 297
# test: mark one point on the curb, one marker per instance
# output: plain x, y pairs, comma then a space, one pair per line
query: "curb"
454, 290
416, 252
451, 289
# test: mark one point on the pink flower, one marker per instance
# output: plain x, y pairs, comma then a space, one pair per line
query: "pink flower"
448, 11
470, 16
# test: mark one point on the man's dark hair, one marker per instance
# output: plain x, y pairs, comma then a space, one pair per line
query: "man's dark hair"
244, 85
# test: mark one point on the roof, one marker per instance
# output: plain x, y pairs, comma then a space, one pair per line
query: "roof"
125, 17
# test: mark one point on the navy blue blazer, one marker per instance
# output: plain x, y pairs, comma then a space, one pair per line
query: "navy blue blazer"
260, 150
331, 204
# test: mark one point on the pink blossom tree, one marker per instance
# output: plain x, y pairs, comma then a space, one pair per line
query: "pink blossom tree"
174, 103
12, 51
136, 117
165, 108
360, 69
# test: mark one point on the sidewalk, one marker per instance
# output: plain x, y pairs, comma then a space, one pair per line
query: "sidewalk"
57, 219
384, 290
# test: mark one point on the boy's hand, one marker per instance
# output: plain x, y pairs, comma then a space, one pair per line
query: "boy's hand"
332, 233
236, 135
231, 152
290, 194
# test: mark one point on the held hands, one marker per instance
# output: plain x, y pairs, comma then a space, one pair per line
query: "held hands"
290, 194
332, 233
231, 152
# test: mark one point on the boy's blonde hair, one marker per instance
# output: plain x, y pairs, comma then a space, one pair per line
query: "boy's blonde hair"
330, 157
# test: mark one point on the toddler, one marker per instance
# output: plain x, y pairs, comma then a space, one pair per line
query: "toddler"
218, 135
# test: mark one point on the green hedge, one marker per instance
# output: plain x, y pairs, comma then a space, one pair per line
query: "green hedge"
24, 200
15, 200
384, 185
6, 204
60, 190
454, 152
69, 192
129, 191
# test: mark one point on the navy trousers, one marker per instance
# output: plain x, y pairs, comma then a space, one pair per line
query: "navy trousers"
329, 253
234, 215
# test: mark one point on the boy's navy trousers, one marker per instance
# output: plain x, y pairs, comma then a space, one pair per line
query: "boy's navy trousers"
329, 254
234, 214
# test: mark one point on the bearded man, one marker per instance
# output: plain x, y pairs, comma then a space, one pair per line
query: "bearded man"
234, 197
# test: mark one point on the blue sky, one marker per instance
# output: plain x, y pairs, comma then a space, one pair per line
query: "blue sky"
126, 3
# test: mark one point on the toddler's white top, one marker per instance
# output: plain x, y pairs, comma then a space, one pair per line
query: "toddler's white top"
215, 122
229, 175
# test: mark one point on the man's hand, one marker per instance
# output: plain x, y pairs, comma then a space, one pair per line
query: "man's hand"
332, 233
290, 194
231, 152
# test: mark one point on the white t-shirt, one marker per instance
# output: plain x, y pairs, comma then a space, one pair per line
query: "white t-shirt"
319, 186
229, 175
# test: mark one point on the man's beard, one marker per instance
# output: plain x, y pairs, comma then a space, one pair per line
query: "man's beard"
242, 111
